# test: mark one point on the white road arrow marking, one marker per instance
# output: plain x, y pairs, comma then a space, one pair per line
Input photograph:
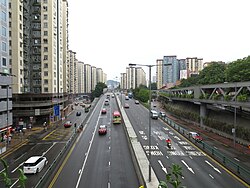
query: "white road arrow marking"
162, 167
216, 169
189, 168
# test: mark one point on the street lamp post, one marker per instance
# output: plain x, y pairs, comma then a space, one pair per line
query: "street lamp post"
149, 123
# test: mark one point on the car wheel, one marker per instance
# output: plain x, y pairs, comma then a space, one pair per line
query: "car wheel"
37, 170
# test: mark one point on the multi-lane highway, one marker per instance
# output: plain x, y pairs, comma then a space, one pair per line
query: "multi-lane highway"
198, 169
98, 160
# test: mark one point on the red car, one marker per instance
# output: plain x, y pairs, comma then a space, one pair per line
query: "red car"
104, 111
196, 136
102, 129
67, 124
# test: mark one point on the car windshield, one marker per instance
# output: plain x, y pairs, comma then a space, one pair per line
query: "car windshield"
102, 127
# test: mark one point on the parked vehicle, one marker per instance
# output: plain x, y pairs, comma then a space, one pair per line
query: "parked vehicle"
34, 164
78, 113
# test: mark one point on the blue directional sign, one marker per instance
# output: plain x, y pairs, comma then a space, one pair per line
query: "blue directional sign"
56, 110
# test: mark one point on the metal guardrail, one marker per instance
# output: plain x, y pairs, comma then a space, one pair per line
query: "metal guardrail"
239, 170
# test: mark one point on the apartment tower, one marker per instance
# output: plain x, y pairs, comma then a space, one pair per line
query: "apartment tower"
39, 41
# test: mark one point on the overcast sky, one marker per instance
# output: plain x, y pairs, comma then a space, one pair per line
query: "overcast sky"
110, 34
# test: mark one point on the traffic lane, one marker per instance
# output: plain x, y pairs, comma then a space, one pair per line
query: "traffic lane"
122, 168
51, 153
158, 162
69, 173
96, 170
194, 162
36, 150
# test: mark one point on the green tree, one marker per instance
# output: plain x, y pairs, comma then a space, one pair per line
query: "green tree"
143, 95
238, 71
4, 174
153, 86
189, 81
22, 178
212, 74
173, 178
98, 90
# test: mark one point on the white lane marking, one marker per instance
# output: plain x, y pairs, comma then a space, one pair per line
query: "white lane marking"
165, 128
171, 133
162, 167
216, 169
109, 147
236, 159
49, 148
14, 183
79, 172
189, 168
109, 163
20, 157
167, 157
176, 137
161, 137
87, 154
215, 147
108, 184
211, 176
190, 157
17, 168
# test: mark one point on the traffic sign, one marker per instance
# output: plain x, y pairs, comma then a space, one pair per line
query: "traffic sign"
57, 110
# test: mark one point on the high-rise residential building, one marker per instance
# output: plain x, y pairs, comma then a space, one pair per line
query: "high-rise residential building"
38, 44
183, 68
167, 71
87, 78
99, 75
123, 81
134, 77
140, 77
159, 73
93, 78
130, 71
5, 73
65, 47
80, 69
194, 65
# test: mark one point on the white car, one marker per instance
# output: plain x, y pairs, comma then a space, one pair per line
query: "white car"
34, 164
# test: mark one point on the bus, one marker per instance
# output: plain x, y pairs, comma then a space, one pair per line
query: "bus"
116, 117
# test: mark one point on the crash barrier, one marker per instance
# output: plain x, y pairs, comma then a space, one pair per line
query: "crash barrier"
239, 170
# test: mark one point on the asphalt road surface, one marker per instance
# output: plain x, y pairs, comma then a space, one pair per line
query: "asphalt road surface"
198, 169
98, 160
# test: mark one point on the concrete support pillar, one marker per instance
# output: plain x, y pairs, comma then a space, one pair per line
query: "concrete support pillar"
203, 113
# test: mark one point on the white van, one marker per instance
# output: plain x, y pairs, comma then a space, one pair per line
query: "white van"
34, 164
154, 114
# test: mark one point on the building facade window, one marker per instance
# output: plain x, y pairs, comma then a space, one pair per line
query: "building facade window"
4, 17
45, 73
4, 31
4, 62
4, 47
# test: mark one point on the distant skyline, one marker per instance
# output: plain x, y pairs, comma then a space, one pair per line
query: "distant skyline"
111, 34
